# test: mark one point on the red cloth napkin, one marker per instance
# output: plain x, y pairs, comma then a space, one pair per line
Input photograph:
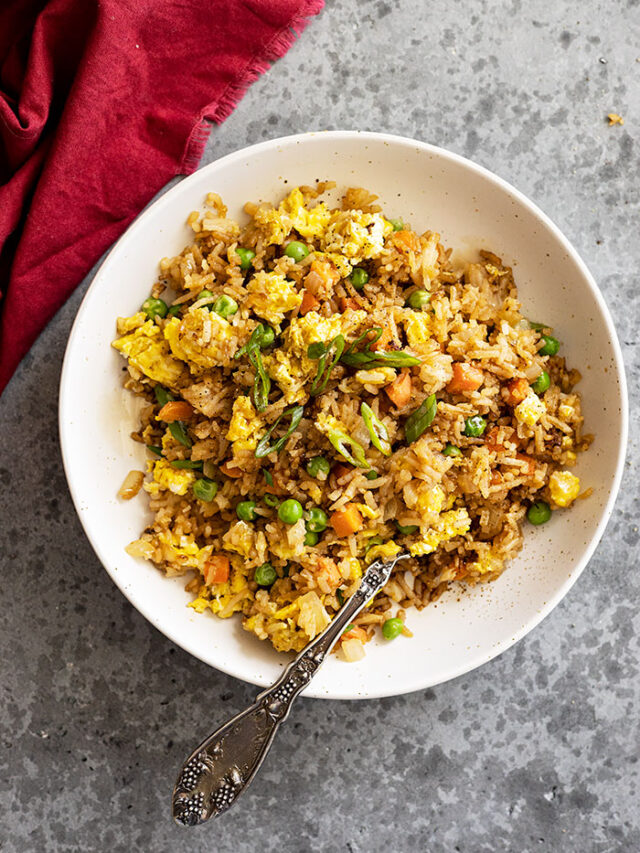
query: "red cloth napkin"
102, 102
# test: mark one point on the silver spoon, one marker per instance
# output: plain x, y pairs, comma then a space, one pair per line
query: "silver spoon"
221, 768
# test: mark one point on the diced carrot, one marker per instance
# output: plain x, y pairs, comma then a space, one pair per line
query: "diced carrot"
531, 463
231, 470
355, 633
175, 410
383, 341
329, 573
327, 272
348, 302
399, 391
408, 240
495, 448
309, 302
339, 471
216, 569
515, 391
466, 377
346, 521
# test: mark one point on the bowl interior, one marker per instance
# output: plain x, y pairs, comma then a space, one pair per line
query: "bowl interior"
471, 209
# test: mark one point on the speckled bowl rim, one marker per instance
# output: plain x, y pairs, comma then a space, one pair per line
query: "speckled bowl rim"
66, 397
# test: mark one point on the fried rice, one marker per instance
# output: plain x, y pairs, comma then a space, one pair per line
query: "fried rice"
323, 387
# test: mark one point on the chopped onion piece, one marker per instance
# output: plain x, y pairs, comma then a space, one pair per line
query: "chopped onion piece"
352, 650
131, 485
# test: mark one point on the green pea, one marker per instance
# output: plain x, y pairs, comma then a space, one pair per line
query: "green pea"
475, 426
290, 511
265, 575
392, 628
155, 307
359, 277
451, 450
375, 540
296, 250
246, 510
205, 294
205, 490
539, 512
174, 311
372, 475
418, 299
267, 337
542, 383
311, 539
407, 529
225, 305
317, 520
246, 257
397, 224
318, 465
551, 345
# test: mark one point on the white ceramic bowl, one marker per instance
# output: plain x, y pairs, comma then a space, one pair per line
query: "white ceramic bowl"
472, 209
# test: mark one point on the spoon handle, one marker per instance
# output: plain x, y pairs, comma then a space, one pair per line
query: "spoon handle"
221, 768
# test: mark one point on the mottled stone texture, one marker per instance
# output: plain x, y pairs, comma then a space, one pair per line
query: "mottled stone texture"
536, 751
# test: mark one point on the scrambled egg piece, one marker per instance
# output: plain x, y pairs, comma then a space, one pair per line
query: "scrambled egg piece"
271, 296
291, 213
423, 498
128, 324
165, 476
312, 617
202, 338
244, 540
449, 525
417, 325
289, 365
383, 552
486, 563
147, 352
377, 376
245, 425
182, 550
564, 487
530, 410
355, 235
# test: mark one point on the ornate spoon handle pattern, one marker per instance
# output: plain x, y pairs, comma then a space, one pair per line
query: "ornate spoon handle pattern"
221, 768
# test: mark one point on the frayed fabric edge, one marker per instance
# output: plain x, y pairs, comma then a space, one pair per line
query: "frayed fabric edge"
216, 113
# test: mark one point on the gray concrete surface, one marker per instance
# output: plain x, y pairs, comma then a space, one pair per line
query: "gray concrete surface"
536, 751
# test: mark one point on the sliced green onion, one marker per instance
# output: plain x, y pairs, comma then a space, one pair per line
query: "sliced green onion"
396, 224
264, 448
162, 395
366, 356
349, 627
153, 448
407, 529
205, 490
375, 540
271, 500
326, 363
377, 430
268, 477
341, 441
538, 326
261, 337
340, 597
262, 383
421, 419
187, 463
179, 431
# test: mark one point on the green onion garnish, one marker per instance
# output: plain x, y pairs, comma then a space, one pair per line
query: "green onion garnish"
422, 418
377, 430
264, 448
